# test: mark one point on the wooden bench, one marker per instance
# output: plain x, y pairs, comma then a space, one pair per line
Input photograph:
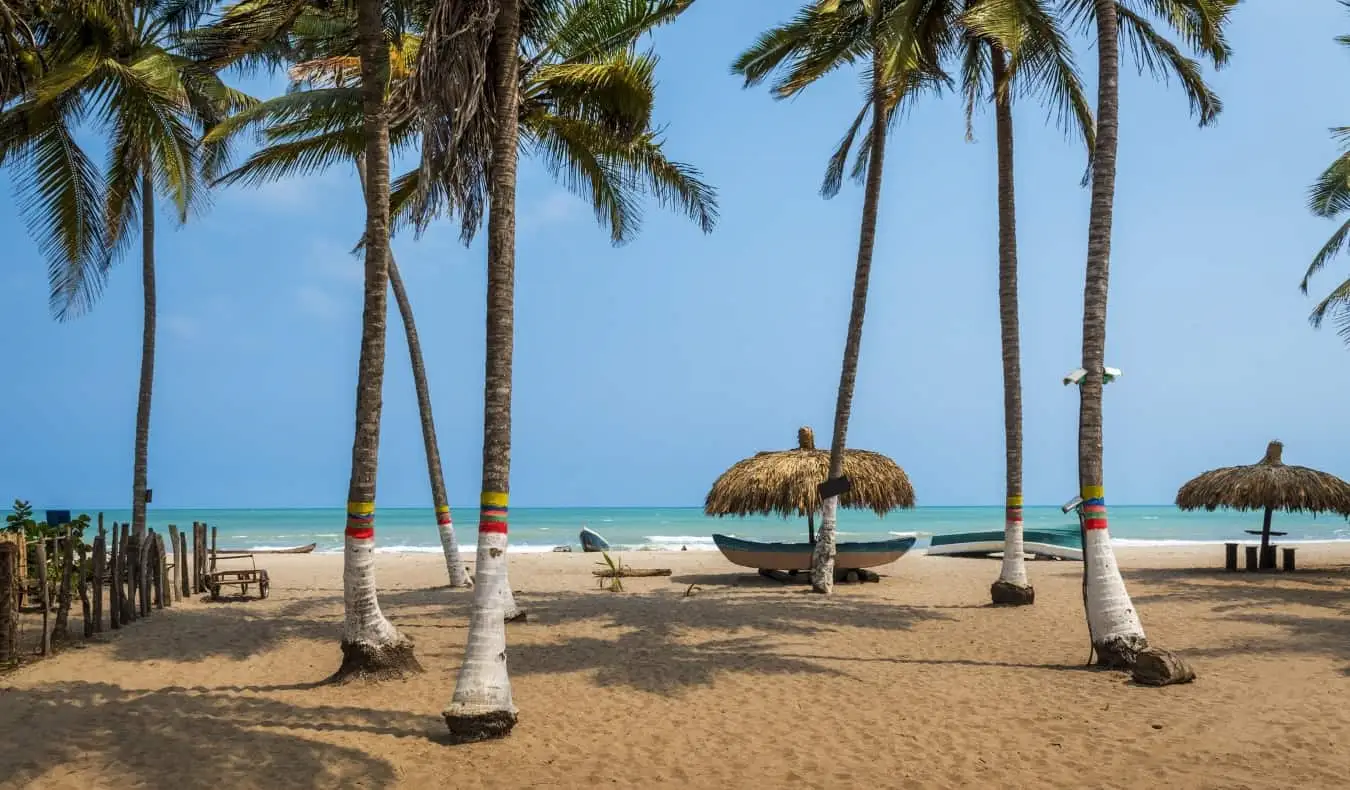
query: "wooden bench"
238, 577
241, 578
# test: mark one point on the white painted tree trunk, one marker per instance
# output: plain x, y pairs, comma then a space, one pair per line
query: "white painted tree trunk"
509, 609
1113, 623
822, 556
1014, 569
445, 526
482, 706
365, 623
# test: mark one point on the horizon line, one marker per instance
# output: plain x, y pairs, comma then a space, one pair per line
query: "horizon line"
541, 507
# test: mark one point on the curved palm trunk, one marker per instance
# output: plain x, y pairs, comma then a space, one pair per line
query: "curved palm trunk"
482, 706
143, 396
444, 524
1116, 632
822, 556
371, 646
1012, 586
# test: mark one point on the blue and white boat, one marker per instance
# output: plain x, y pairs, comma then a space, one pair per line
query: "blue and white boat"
849, 555
591, 540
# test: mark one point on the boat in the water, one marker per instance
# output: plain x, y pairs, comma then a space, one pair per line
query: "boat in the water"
591, 540
849, 555
292, 550
1061, 543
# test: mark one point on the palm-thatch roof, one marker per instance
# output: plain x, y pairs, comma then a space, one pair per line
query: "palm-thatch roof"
784, 482
1269, 484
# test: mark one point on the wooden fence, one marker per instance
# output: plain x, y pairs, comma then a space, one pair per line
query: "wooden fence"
134, 571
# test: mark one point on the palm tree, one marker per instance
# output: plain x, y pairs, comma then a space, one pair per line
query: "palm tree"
1116, 632
900, 60
118, 67
1329, 197
1011, 46
371, 645
585, 36
587, 112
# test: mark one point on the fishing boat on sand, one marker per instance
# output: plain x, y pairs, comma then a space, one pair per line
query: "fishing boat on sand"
306, 549
1060, 543
849, 555
591, 540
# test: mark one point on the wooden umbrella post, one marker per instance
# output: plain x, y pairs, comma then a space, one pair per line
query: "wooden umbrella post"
1267, 553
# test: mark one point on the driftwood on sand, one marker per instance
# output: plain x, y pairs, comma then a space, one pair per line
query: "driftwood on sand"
630, 573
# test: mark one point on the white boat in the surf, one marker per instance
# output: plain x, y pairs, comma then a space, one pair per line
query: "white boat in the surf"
591, 540
1061, 543
849, 555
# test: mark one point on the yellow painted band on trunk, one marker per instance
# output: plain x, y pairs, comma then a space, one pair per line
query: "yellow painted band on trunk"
493, 499
1014, 501
1094, 492
443, 509
361, 508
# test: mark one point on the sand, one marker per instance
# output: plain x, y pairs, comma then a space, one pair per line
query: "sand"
912, 682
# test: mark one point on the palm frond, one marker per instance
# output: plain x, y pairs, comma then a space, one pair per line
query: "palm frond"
297, 158
582, 31
58, 195
1199, 23
1161, 58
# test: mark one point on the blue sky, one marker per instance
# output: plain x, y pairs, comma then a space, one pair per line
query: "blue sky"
643, 371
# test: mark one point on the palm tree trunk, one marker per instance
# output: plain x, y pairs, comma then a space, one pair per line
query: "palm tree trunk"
441, 501
822, 556
1113, 624
482, 706
1012, 586
371, 646
143, 396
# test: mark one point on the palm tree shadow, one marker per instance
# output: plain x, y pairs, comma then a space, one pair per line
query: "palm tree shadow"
662, 642
174, 738
1270, 599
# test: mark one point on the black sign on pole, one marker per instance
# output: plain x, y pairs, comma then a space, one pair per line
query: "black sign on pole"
149, 495
834, 487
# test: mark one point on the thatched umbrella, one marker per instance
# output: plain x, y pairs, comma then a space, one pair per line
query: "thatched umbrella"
1268, 485
784, 482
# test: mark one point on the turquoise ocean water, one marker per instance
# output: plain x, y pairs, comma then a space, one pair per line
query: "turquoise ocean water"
413, 530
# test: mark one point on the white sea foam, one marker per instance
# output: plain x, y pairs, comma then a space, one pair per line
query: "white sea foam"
680, 539
1143, 543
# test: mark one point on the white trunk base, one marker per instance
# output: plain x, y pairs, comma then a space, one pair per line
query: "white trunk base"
822, 557
1110, 612
483, 688
364, 623
450, 547
1014, 569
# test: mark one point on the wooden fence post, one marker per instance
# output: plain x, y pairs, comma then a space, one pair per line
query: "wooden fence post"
129, 543
98, 568
165, 583
199, 563
82, 584
143, 559
174, 594
181, 550
213, 549
196, 557
9, 603
61, 634
43, 599
114, 582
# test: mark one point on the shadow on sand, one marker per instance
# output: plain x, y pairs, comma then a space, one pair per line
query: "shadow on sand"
1271, 599
177, 738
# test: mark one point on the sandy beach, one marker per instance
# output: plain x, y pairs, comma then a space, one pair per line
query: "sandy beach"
912, 682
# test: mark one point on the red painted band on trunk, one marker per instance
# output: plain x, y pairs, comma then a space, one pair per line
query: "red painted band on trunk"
493, 526
361, 533
443, 519
1094, 523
